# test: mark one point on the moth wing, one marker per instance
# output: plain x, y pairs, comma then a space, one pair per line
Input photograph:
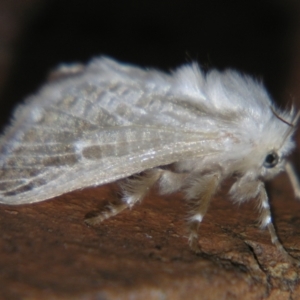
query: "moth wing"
36, 172
107, 122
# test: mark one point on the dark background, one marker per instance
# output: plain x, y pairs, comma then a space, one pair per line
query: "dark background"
251, 36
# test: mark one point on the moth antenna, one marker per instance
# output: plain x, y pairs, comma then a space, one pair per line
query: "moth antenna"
295, 121
281, 119
291, 125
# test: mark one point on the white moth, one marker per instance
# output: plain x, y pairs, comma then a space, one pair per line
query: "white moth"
183, 131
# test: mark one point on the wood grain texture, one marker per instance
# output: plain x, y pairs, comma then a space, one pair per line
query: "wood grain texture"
46, 250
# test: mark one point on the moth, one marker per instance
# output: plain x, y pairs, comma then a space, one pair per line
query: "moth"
188, 130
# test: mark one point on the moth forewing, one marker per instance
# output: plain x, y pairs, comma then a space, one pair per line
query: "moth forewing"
109, 121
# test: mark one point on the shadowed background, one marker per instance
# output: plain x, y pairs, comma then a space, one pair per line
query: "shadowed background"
256, 37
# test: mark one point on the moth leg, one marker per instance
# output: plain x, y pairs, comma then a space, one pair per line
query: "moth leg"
133, 190
245, 189
265, 220
171, 182
198, 195
293, 178
109, 211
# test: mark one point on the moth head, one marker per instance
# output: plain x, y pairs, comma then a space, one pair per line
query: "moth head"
268, 147
271, 160
274, 159
271, 164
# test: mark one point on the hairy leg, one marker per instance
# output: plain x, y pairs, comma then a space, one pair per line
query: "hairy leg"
133, 191
293, 178
245, 189
171, 182
265, 220
198, 194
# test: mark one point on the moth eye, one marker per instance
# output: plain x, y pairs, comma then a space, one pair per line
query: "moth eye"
271, 160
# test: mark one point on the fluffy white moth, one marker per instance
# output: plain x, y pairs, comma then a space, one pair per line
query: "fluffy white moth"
182, 131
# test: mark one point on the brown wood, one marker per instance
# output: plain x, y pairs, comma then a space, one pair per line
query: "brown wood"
47, 251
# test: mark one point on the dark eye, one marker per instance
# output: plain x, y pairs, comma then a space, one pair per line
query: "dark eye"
271, 160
